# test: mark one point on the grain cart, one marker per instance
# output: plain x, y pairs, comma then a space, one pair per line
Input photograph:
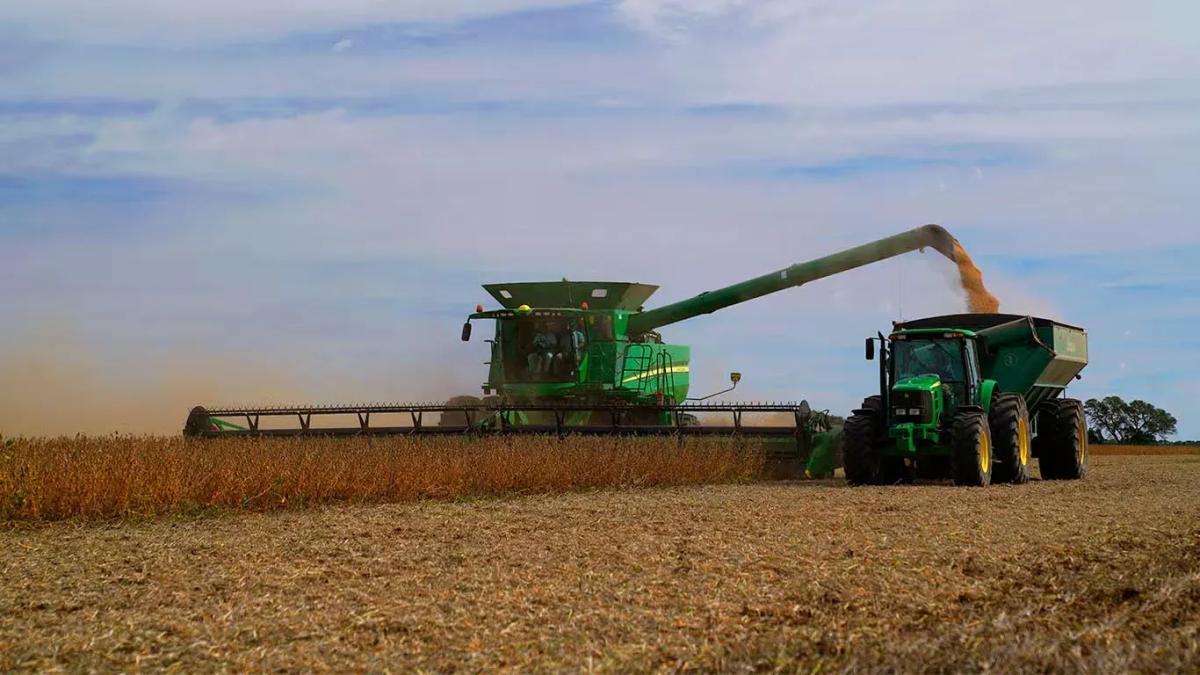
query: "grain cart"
584, 357
971, 397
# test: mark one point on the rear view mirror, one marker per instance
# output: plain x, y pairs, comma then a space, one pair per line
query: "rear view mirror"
870, 349
466, 334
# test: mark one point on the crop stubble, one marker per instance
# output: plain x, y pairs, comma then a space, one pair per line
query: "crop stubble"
1095, 575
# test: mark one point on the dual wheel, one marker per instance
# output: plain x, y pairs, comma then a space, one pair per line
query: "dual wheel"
985, 449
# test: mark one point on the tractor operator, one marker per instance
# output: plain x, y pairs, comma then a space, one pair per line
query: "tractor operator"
545, 350
578, 342
936, 360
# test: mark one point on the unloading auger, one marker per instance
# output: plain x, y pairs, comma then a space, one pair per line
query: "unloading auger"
585, 357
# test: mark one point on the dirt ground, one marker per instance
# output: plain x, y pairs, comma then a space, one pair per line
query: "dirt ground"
1102, 575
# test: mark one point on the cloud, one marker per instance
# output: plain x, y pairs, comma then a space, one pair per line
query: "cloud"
145, 22
820, 52
240, 190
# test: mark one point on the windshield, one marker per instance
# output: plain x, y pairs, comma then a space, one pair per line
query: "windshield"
939, 357
543, 349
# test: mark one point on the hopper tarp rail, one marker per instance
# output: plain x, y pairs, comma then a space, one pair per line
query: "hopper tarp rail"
554, 419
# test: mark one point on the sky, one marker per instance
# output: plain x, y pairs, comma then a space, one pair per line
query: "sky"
261, 200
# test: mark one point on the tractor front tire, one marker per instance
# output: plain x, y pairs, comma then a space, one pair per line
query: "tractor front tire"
1009, 422
861, 460
1062, 442
861, 436
972, 452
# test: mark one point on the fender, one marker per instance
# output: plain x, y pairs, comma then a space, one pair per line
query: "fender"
985, 395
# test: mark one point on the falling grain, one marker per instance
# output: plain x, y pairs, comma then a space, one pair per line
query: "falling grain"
979, 299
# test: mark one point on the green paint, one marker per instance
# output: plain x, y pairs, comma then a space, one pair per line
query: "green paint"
227, 426
800, 273
821, 461
985, 395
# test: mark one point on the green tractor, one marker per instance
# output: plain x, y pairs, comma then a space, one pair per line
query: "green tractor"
973, 398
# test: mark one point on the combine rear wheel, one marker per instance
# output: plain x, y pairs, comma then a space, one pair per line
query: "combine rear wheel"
1062, 443
861, 436
1009, 422
455, 418
972, 458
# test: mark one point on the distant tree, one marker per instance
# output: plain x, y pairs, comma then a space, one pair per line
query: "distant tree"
1135, 422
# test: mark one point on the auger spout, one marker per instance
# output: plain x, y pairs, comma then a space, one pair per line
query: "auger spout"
926, 236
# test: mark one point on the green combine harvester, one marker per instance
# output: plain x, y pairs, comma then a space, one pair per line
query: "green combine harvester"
972, 397
578, 357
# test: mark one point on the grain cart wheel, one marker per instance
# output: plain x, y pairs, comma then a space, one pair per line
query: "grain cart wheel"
1009, 422
457, 418
860, 444
1062, 440
972, 449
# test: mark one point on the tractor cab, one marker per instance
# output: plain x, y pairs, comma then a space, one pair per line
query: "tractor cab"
926, 377
933, 364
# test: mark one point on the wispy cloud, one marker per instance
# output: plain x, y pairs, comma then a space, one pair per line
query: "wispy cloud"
329, 184
222, 21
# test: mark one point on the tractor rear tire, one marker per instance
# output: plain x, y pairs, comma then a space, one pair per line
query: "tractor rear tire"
1009, 422
861, 437
457, 418
971, 460
1062, 442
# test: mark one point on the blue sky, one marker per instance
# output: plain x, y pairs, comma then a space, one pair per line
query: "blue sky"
221, 202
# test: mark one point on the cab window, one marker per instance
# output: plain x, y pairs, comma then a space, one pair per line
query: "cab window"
543, 348
940, 357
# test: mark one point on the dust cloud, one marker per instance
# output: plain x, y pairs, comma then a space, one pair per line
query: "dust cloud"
979, 299
58, 386
53, 382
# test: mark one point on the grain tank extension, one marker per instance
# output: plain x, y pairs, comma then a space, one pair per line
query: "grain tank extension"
973, 397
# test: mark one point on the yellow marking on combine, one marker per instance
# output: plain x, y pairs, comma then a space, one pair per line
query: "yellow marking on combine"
654, 372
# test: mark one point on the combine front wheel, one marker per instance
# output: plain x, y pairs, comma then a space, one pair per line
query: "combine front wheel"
454, 418
1010, 437
972, 458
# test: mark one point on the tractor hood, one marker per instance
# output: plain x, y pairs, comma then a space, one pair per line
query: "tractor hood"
918, 383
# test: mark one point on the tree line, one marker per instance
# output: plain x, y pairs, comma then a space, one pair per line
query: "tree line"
1113, 420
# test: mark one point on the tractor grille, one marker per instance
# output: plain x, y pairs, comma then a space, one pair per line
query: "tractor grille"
912, 406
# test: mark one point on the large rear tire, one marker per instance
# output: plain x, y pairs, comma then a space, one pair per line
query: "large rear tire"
972, 451
1009, 422
862, 435
1062, 442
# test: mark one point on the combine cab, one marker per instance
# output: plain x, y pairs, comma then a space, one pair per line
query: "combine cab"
576, 357
972, 397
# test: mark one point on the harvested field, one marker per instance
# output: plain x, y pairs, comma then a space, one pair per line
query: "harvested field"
1097, 449
1102, 574
117, 476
